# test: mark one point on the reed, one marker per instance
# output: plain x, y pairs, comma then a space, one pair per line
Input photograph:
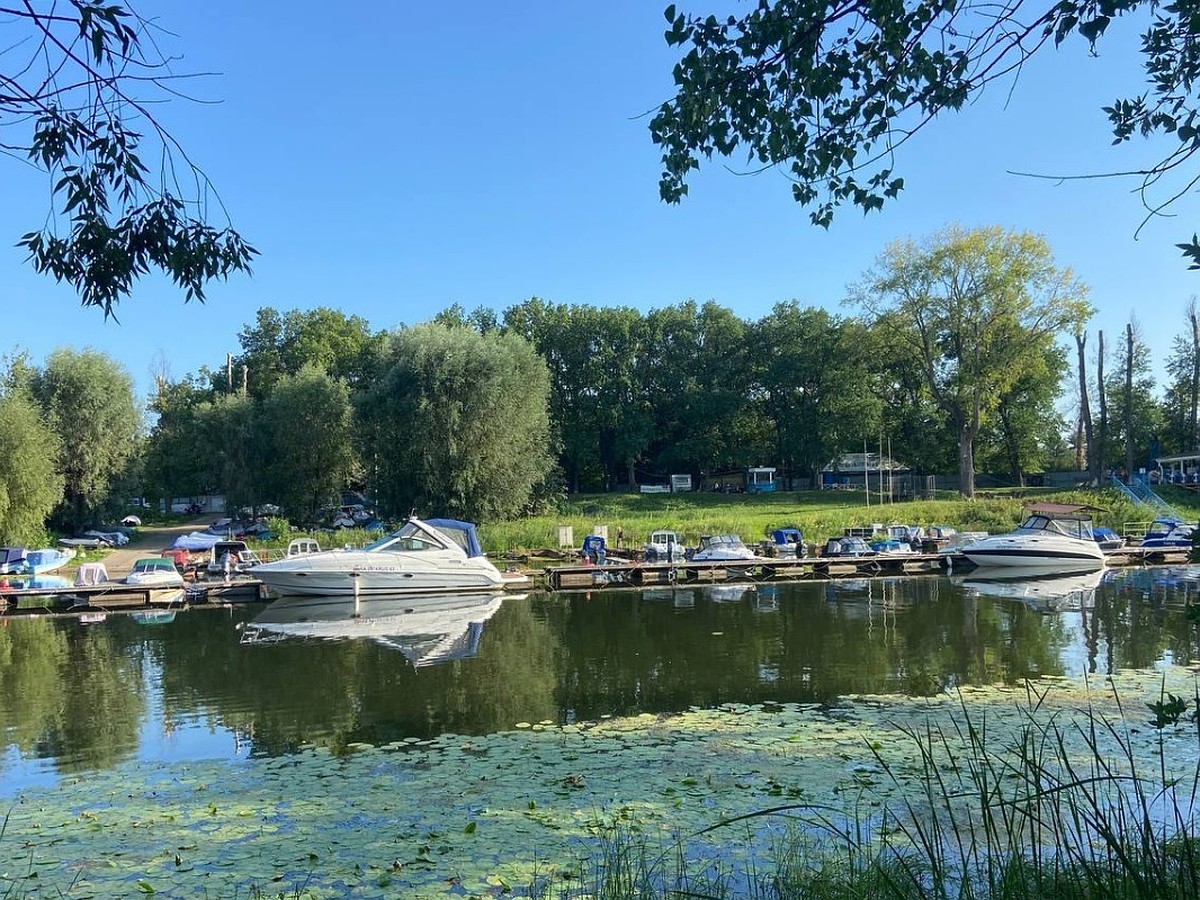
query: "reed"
1057, 812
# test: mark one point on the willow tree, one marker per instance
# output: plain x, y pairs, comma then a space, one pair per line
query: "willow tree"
976, 309
458, 423
88, 399
30, 483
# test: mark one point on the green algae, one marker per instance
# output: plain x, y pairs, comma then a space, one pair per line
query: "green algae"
479, 816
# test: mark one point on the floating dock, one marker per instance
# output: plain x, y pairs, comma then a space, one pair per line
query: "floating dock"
113, 596
687, 572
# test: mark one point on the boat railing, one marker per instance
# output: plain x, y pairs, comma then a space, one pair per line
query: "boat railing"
1134, 531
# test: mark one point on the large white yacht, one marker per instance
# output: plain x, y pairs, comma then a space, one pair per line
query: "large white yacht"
422, 557
1054, 536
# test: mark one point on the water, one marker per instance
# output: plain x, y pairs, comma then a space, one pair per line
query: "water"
216, 684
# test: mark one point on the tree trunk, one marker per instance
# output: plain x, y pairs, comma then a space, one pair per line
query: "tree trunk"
1102, 436
966, 459
1011, 448
1085, 415
1128, 424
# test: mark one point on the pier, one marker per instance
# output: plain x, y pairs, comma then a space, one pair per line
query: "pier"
117, 596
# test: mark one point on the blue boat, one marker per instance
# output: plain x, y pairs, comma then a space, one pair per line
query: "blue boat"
1168, 533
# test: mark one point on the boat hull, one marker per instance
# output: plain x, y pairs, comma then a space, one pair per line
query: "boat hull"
1034, 553
343, 575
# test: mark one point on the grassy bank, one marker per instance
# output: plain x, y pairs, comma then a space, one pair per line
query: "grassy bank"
819, 514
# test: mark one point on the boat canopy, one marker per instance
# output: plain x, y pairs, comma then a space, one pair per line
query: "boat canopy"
197, 540
462, 533
11, 557
1070, 526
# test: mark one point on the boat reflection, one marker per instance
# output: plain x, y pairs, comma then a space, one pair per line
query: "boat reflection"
1035, 588
428, 630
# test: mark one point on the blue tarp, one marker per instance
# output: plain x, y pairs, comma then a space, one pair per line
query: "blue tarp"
197, 540
462, 533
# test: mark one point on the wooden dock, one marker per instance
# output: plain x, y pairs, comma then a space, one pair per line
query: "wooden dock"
687, 572
119, 596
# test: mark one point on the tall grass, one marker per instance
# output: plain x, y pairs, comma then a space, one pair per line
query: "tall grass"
819, 514
1056, 812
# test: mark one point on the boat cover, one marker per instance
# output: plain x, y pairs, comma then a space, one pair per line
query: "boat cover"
12, 559
39, 561
462, 533
197, 540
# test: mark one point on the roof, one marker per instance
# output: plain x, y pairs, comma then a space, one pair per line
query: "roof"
854, 462
1073, 510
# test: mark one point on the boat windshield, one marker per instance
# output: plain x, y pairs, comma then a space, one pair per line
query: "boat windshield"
411, 537
145, 566
1072, 528
721, 540
1160, 528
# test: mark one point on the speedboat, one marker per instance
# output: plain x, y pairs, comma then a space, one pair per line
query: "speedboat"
847, 546
154, 571
1054, 536
663, 545
427, 630
722, 548
421, 557
1168, 533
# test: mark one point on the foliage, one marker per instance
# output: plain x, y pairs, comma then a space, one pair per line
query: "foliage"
1145, 417
87, 398
830, 90
280, 344
458, 423
815, 374
31, 485
306, 457
91, 74
972, 310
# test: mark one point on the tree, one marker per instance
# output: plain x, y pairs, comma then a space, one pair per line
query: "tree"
30, 483
974, 308
178, 459
458, 423
88, 79
88, 400
1027, 427
830, 90
280, 344
1181, 400
307, 452
1132, 405
813, 370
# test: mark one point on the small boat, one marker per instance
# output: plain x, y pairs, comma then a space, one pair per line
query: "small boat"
43, 562
787, 542
1168, 533
1107, 538
722, 548
154, 571
231, 558
892, 547
427, 630
1054, 536
664, 546
423, 556
847, 546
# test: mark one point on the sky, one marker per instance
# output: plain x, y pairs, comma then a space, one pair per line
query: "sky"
400, 157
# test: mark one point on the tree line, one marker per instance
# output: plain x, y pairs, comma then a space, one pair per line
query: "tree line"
955, 350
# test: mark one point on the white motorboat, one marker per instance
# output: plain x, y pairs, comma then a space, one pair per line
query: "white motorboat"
722, 548
155, 571
422, 557
1054, 536
664, 545
427, 630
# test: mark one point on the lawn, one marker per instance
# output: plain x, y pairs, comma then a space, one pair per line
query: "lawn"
819, 514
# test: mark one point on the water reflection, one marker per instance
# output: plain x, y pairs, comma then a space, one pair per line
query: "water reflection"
1035, 588
195, 685
426, 630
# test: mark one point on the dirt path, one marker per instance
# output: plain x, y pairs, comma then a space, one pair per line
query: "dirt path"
149, 540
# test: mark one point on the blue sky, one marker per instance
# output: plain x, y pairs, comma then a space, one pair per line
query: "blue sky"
397, 158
